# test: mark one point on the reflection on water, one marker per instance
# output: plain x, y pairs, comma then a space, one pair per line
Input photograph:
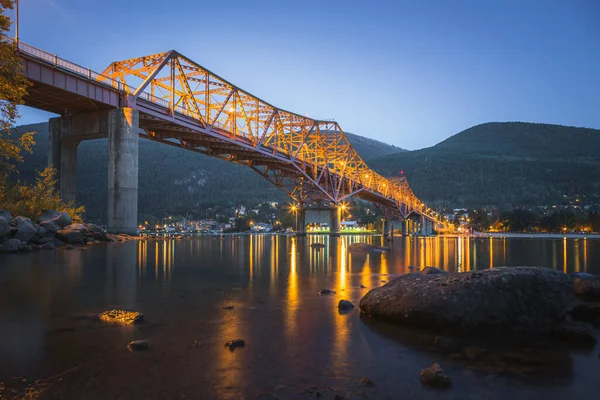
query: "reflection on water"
294, 336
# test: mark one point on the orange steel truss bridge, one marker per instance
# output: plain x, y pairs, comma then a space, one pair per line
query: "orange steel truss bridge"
183, 104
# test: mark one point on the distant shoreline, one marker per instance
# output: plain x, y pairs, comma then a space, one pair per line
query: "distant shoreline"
539, 235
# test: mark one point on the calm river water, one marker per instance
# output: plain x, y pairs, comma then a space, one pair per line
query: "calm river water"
298, 346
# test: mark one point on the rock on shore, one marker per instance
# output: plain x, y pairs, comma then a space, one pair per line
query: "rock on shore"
121, 316
21, 234
435, 376
505, 299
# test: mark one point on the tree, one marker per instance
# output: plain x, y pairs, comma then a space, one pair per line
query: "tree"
32, 200
19, 198
13, 87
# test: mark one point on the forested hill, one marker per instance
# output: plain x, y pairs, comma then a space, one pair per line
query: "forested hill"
171, 180
503, 165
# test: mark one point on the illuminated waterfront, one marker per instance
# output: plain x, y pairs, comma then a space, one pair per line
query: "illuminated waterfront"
295, 338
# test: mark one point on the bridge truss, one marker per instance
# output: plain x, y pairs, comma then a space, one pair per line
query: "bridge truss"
184, 104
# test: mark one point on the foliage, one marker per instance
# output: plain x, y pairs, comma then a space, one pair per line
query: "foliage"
519, 220
27, 199
503, 165
33, 199
551, 220
13, 87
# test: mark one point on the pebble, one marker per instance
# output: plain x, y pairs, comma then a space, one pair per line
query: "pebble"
435, 376
139, 345
345, 305
366, 382
233, 344
326, 291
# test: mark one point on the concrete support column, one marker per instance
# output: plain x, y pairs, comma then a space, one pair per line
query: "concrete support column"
404, 228
62, 154
301, 222
386, 227
335, 214
123, 142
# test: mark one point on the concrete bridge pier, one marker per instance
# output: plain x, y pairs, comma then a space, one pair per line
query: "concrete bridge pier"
121, 126
62, 154
386, 227
123, 149
429, 227
422, 222
335, 216
405, 227
300, 222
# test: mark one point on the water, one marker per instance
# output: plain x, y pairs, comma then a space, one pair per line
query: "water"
297, 343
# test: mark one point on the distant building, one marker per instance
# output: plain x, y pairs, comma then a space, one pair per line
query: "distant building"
262, 227
349, 224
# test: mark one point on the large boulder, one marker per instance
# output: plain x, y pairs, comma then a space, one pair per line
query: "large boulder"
12, 245
5, 215
50, 227
4, 228
75, 227
25, 229
586, 286
45, 240
71, 236
435, 376
506, 299
61, 219
97, 231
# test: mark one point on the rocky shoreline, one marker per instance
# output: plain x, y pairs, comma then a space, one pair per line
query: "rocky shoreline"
53, 229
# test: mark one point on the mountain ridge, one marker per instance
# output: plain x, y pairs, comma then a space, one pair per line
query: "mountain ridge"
503, 165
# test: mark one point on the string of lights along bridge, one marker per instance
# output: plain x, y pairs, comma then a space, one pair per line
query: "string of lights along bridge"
169, 98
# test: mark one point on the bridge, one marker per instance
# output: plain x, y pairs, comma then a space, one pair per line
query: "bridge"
169, 98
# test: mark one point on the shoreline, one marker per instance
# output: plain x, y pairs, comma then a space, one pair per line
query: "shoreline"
538, 235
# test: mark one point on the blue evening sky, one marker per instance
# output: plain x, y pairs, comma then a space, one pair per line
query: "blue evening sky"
410, 73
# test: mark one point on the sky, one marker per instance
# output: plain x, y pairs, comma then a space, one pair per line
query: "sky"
409, 73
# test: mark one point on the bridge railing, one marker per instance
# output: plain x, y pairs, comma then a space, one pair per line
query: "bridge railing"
88, 73
71, 67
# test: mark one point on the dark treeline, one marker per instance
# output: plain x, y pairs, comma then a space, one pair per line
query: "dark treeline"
503, 165
568, 219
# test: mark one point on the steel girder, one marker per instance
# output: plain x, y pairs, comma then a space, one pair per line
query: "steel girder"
310, 159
